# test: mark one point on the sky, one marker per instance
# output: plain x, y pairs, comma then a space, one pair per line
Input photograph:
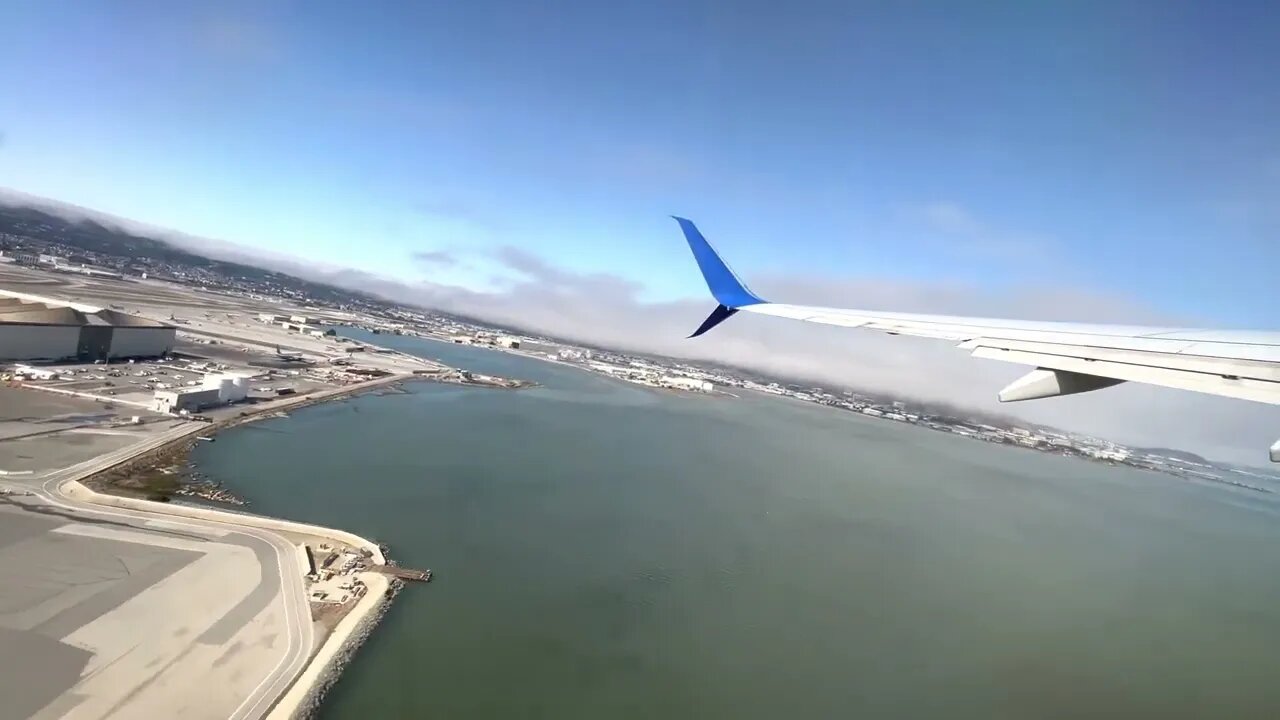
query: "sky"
1086, 160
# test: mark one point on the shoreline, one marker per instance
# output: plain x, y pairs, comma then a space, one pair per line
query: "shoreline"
174, 454
303, 699
171, 459
580, 367
324, 667
339, 645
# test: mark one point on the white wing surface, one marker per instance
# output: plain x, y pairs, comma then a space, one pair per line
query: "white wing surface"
1067, 358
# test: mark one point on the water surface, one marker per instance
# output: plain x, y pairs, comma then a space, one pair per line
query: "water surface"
607, 551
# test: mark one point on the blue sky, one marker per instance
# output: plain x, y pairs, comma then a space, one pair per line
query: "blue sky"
1125, 148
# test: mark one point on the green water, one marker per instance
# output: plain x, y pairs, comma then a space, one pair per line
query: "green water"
603, 551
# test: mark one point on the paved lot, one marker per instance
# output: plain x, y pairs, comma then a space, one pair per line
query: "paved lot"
42, 431
23, 410
122, 618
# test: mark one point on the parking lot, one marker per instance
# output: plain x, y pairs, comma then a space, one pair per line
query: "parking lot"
41, 431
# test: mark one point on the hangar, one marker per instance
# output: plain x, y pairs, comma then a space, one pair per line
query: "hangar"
40, 328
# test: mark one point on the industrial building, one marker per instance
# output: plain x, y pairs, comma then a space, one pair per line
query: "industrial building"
186, 399
686, 383
231, 388
40, 328
217, 389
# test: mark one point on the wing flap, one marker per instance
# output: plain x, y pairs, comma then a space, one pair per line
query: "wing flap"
1249, 359
1241, 364
1214, 384
1225, 367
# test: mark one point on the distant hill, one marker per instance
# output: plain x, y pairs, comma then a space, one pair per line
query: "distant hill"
90, 236
24, 225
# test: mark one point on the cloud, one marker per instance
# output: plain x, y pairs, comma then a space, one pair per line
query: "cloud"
964, 232
212, 248
606, 310
435, 258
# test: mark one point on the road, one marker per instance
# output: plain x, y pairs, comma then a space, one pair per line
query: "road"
300, 643
60, 488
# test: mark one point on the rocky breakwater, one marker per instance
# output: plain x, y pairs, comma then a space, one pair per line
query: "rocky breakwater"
339, 648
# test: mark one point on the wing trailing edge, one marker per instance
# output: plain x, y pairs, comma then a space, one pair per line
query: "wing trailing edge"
1067, 358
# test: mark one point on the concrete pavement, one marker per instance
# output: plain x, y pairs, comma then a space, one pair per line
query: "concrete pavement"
210, 588
133, 670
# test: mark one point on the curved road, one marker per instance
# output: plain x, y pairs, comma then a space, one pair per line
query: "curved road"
293, 596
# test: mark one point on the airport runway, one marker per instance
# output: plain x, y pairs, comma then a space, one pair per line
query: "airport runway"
289, 590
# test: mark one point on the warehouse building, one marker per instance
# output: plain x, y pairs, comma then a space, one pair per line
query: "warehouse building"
187, 399
231, 388
216, 390
40, 328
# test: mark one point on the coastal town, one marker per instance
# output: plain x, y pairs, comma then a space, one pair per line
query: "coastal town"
684, 376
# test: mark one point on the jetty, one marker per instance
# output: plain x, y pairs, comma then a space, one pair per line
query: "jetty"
403, 573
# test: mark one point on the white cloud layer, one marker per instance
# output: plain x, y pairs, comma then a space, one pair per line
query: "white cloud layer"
605, 310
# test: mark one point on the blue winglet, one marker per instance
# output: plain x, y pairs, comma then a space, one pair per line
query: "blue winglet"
728, 290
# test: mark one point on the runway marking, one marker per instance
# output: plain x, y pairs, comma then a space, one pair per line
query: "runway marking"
301, 632
133, 536
212, 532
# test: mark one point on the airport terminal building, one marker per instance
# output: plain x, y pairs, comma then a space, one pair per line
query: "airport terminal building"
40, 328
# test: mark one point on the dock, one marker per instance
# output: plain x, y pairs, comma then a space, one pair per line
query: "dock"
403, 573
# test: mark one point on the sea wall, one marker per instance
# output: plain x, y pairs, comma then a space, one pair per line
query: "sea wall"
306, 694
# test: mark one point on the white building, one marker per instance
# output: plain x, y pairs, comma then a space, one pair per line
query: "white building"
507, 341
230, 388
1113, 454
40, 328
272, 318
188, 399
686, 383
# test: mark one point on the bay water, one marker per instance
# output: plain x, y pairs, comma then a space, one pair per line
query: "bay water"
603, 550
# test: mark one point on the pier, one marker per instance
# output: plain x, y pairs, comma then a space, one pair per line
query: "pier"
403, 573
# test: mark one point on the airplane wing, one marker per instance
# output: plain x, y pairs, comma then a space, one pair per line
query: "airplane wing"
1067, 358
